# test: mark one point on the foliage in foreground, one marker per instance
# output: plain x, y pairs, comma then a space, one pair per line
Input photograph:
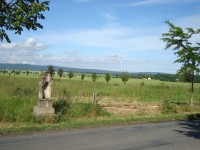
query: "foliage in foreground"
188, 53
20, 110
168, 108
19, 14
66, 110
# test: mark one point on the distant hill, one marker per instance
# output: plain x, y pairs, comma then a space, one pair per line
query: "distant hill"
139, 75
43, 68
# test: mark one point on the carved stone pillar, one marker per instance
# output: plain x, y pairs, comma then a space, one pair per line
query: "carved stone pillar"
44, 101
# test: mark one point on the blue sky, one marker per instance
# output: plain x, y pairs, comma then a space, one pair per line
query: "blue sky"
115, 35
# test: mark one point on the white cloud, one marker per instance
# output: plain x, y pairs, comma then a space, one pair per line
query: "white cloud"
149, 2
109, 16
14, 58
8, 46
72, 52
30, 44
116, 37
24, 62
78, 59
189, 21
82, 1
115, 57
156, 2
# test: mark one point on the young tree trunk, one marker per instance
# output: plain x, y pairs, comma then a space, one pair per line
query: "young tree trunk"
192, 90
191, 101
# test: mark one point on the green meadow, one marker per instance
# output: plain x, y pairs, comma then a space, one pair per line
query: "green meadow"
73, 99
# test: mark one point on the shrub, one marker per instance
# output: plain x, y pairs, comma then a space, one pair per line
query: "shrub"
70, 74
168, 108
125, 77
107, 77
60, 72
87, 110
82, 76
61, 106
185, 108
65, 110
94, 76
142, 83
66, 93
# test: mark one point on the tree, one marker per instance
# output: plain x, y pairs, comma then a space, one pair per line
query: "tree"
107, 77
18, 72
125, 77
70, 74
60, 72
188, 54
94, 76
82, 76
51, 70
13, 71
15, 15
4, 71
27, 72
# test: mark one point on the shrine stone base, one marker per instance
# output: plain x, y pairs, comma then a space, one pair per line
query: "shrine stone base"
43, 108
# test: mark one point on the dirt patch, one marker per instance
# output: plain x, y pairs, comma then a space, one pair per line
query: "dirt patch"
122, 107
132, 108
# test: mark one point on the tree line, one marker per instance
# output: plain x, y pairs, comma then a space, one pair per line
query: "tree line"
124, 76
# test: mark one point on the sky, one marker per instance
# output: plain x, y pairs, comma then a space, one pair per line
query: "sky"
115, 35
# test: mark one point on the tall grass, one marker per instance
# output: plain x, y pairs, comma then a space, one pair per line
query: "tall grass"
17, 98
67, 110
18, 109
18, 94
150, 91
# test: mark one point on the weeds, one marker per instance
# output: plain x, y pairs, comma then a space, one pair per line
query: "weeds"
67, 109
168, 108
23, 91
61, 106
16, 109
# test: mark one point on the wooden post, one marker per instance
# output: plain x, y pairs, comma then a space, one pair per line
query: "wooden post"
94, 98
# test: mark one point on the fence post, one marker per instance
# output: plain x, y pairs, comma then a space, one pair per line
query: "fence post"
94, 98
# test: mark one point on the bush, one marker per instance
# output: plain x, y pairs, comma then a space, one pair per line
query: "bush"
168, 108
65, 110
184, 108
125, 77
61, 106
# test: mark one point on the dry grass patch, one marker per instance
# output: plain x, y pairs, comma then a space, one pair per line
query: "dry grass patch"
132, 108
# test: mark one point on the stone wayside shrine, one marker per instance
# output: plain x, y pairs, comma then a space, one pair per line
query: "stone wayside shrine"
44, 101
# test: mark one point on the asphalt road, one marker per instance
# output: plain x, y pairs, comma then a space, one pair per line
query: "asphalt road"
177, 135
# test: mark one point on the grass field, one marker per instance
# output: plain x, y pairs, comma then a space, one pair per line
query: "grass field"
18, 95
